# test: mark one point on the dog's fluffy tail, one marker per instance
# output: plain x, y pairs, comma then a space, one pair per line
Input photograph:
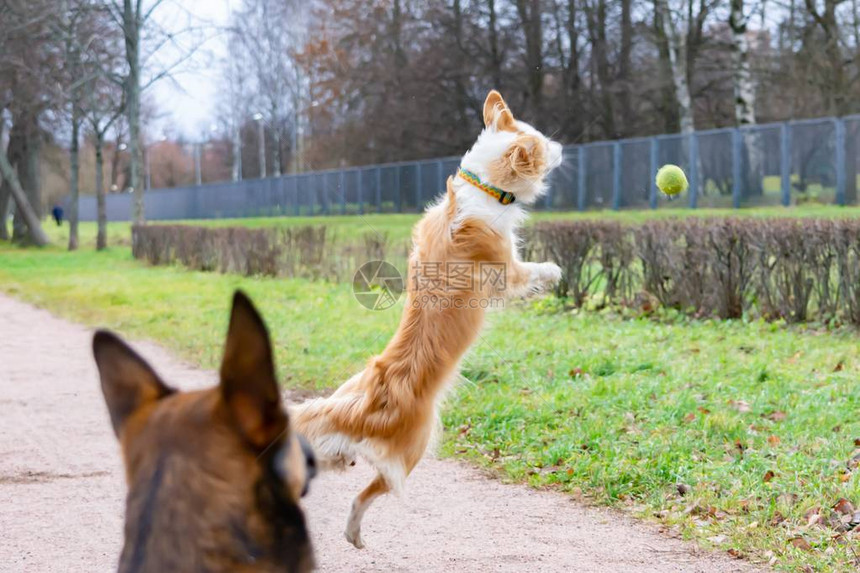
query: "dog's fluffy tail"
312, 419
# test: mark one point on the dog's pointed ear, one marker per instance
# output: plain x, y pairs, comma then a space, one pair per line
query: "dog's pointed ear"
248, 385
128, 382
497, 114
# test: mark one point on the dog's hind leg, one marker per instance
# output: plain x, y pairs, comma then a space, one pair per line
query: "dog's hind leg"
359, 505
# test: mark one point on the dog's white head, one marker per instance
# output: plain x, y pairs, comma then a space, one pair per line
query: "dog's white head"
510, 154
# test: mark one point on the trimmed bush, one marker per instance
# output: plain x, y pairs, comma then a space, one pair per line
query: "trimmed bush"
795, 270
308, 252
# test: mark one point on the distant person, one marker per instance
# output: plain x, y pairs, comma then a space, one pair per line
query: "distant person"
57, 214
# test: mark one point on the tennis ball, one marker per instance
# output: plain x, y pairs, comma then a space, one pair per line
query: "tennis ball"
671, 180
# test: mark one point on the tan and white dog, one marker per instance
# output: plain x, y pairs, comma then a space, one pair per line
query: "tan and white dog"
464, 257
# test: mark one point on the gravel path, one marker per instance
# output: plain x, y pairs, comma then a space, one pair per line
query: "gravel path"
61, 487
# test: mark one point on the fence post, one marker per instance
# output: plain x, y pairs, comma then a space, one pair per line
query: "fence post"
397, 187
313, 193
379, 189
580, 178
785, 162
360, 191
616, 175
324, 197
736, 168
419, 199
694, 171
341, 187
297, 209
547, 200
655, 155
440, 178
840, 160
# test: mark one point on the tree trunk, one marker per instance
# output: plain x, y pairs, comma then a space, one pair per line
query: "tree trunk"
276, 156
23, 209
131, 30
667, 106
743, 81
74, 169
596, 17
834, 92
462, 101
573, 121
27, 176
101, 237
5, 193
237, 153
495, 54
625, 65
745, 96
530, 16
677, 40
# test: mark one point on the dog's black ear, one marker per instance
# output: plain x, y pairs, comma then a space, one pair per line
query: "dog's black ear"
128, 382
248, 384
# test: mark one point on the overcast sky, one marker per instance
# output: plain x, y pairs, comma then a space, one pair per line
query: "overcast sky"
187, 102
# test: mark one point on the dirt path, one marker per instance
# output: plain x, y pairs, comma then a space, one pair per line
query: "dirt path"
61, 487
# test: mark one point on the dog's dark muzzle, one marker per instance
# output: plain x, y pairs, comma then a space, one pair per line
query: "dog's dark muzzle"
310, 462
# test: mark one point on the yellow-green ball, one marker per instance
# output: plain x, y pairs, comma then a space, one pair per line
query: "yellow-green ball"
671, 180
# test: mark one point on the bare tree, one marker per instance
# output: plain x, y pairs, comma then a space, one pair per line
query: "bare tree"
73, 34
27, 82
22, 203
675, 28
102, 107
273, 33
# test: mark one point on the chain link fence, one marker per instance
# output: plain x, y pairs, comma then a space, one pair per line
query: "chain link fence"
776, 164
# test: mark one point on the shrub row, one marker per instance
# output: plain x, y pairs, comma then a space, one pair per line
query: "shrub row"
791, 269
308, 252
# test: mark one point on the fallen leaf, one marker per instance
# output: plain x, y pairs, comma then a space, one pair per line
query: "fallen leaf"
690, 417
812, 516
575, 373
800, 543
843, 506
735, 553
773, 440
857, 441
777, 416
844, 477
839, 366
854, 461
683, 489
703, 410
740, 405
769, 475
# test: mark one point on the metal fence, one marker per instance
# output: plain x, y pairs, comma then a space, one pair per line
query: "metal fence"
775, 164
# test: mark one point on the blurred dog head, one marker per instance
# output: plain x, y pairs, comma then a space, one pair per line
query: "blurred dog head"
214, 476
511, 154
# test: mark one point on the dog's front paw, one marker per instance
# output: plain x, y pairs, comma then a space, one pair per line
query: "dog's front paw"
353, 535
549, 274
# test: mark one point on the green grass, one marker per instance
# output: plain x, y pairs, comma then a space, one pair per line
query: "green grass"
619, 409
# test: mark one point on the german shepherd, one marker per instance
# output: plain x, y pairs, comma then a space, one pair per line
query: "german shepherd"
214, 476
